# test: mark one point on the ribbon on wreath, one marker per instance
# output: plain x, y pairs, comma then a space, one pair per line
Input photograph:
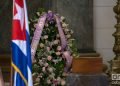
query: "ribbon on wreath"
37, 35
66, 53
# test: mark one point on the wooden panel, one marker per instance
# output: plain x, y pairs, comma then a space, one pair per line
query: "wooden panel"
5, 64
87, 65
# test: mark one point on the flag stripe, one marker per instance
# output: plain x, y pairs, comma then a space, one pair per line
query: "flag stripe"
26, 18
22, 76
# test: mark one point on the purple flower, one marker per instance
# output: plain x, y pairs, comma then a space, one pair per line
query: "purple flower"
50, 17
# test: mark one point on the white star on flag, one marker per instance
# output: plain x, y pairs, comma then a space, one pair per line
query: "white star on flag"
19, 15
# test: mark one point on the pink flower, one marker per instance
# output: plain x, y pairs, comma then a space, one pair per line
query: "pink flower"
59, 48
55, 82
63, 82
49, 58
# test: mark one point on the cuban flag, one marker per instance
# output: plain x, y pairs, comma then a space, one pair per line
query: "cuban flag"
21, 51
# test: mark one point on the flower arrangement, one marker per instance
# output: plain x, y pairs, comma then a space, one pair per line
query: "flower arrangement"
49, 64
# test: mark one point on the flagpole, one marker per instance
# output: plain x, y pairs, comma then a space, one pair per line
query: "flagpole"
11, 74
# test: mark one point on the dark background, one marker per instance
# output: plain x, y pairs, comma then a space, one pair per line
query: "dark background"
79, 15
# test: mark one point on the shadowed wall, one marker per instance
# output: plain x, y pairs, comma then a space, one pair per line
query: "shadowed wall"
79, 15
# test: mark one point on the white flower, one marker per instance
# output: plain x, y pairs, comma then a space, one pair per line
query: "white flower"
40, 75
64, 25
49, 58
62, 18
34, 74
65, 74
38, 13
66, 30
48, 49
58, 79
59, 48
50, 69
58, 53
63, 82
48, 81
40, 62
35, 25
34, 61
37, 80
58, 35
71, 32
68, 36
73, 55
43, 69
46, 64
46, 24
46, 37
51, 76
55, 61
49, 11
36, 84
56, 42
41, 45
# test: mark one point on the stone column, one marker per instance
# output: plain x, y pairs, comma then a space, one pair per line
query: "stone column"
79, 15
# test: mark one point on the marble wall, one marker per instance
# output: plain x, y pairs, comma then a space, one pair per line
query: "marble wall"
104, 21
79, 15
